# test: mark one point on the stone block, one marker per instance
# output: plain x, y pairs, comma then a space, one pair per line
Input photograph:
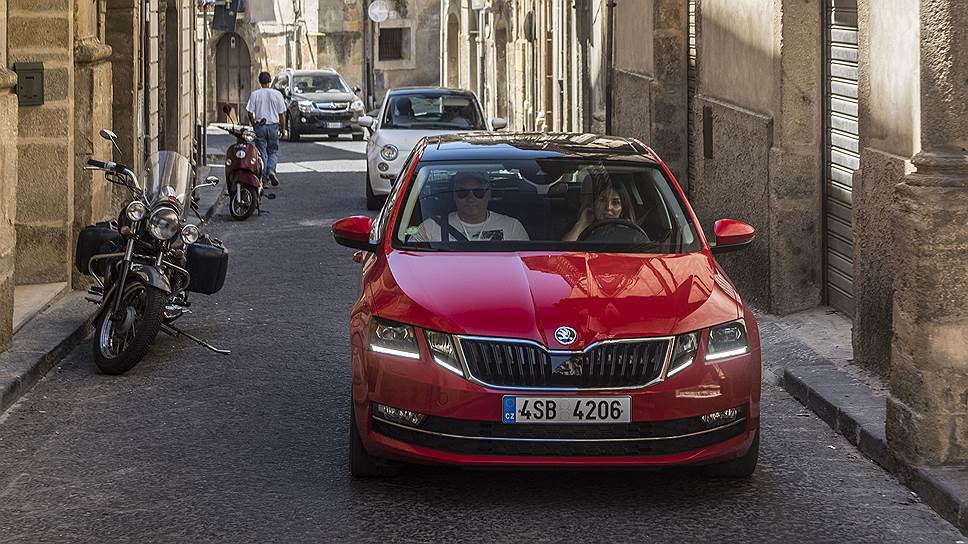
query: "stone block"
670, 14
61, 6
43, 187
45, 122
670, 58
43, 253
6, 302
57, 84
632, 99
25, 32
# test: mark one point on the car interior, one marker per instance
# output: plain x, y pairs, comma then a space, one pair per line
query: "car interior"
549, 210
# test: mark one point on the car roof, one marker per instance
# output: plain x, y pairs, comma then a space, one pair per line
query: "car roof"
531, 145
429, 90
328, 71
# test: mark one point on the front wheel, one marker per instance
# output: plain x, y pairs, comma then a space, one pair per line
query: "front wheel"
119, 344
362, 464
293, 129
243, 202
373, 202
741, 467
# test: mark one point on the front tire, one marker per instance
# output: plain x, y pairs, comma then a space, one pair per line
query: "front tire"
293, 129
243, 203
119, 346
362, 464
373, 202
358, 137
333, 136
739, 468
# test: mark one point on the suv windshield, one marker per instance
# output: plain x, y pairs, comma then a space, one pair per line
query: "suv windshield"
544, 205
443, 112
319, 83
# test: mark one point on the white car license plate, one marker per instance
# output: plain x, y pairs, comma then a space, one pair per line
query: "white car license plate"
567, 409
334, 125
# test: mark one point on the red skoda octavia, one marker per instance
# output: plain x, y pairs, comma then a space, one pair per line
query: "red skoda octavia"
547, 300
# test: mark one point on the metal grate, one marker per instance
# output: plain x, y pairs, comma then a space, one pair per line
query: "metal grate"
692, 77
841, 149
607, 365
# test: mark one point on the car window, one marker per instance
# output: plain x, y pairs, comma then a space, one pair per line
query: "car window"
440, 112
544, 205
381, 219
322, 83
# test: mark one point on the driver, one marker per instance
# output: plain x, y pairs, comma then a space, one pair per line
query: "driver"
472, 220
609, 201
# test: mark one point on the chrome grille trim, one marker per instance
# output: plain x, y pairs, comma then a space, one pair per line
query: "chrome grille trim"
543, 365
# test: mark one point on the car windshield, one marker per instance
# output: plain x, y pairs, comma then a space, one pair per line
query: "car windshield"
440, 112
544, 205
322, 83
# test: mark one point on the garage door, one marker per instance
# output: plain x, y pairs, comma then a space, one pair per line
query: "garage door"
841, 149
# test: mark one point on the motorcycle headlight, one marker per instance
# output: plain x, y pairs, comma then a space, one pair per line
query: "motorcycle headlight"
444, 351
391, 338
306, 106
163, 223
684, 352
357, 105
249, 137
190, 234
389, 152
136, 211
727, 340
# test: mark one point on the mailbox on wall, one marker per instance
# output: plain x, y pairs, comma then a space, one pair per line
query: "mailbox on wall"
30, 83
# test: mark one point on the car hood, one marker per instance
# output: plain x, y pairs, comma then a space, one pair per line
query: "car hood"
405, 140
527, 295
325, 97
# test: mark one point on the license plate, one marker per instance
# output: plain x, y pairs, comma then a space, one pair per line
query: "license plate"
334, 125
567, 409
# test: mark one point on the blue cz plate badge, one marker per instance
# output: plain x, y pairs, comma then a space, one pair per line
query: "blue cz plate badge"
566, 409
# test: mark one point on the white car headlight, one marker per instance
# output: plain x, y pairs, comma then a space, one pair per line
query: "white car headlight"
444, 350
306, 106
684, 352
357, 105
163, 223
727, 340
136, 211
190, 234
391, 338
389, 152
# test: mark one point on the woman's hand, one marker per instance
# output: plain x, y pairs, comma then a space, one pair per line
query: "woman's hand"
585, 218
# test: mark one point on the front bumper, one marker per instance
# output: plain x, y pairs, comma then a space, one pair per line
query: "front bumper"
464, 424
319, 122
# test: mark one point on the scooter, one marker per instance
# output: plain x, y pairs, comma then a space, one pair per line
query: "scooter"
243, 174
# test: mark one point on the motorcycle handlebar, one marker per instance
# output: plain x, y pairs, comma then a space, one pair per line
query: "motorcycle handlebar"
111, 166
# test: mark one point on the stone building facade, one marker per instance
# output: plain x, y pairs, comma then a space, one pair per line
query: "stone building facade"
100, 63
538, 63
837, 128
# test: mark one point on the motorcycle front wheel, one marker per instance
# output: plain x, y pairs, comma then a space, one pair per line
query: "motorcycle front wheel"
120, 344
243, 202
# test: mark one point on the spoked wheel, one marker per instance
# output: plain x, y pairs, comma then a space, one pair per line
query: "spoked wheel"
120, 344
243, 202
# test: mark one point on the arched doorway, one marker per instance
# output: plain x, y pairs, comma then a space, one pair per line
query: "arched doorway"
233, 74
501, 60
453, 51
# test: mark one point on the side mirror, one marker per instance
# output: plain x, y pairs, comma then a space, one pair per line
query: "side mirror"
357, 90
354, 232
108, 135
366, 121
210, 181
732, 235
226, 109
498, 123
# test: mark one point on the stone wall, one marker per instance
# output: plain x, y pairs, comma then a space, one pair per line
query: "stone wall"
8, 201
340, 40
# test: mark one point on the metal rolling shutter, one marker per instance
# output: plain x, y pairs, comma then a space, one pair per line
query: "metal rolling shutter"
841, 149
692, 78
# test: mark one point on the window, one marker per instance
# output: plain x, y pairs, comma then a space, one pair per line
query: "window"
394, 43
440, 112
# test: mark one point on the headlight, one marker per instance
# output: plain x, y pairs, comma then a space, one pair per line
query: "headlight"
444, 351
136, 211
389, 152
727, 340
357, 105
163, 223
306, 106
684, 352
248, 137
393, 339
190, 234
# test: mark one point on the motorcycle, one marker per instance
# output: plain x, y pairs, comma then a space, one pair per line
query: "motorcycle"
147, 261
243, 174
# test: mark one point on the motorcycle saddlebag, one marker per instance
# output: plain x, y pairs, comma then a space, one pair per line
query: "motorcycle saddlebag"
207, 262
95, 240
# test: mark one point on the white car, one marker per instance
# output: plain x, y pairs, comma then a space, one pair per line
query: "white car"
407, 115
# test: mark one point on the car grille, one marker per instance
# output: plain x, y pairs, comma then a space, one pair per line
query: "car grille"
333, 106
606, 365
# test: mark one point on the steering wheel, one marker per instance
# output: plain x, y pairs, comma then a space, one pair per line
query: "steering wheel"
620, 231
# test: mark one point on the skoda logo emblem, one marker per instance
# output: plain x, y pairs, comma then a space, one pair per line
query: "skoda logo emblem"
565, 336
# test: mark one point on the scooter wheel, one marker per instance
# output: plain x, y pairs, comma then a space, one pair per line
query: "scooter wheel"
242, 202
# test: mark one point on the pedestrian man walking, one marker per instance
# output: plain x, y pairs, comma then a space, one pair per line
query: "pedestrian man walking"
267, 104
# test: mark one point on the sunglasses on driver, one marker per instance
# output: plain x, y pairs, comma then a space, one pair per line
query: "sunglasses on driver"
478, 193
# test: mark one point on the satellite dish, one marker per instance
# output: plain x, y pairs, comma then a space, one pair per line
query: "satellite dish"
379, 11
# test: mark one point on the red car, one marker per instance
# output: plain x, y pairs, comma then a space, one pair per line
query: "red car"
547, 300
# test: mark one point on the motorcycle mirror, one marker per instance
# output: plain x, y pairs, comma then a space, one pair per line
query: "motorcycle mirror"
108, 135
212, 179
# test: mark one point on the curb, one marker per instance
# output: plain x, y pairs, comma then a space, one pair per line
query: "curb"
851, 408
41, 344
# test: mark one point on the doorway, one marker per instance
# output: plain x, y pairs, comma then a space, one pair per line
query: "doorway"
233, 74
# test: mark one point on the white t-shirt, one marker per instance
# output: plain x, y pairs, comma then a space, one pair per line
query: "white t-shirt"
266, 104
496, 227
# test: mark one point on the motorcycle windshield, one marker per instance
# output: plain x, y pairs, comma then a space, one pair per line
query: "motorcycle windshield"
168, 178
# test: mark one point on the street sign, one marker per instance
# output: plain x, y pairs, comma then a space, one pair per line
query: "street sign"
379, 11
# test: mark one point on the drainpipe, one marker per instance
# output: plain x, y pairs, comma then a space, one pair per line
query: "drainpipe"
609, 47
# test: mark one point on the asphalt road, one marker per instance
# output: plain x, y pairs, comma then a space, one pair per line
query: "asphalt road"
251, 447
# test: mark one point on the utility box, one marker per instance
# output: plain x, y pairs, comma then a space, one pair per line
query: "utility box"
30, 83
